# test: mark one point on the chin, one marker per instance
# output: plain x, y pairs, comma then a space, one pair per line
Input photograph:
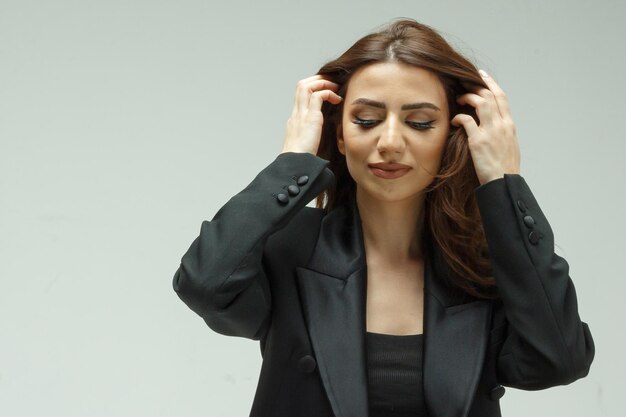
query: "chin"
391, 194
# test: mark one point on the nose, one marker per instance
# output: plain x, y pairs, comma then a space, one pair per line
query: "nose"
391, 139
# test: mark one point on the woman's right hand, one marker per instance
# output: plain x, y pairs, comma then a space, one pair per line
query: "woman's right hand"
304, 127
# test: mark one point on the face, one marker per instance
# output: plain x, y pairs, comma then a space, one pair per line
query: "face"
396, 113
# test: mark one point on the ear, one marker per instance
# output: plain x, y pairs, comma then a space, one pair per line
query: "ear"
340, 143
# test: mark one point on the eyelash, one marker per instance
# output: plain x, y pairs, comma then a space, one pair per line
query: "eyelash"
368, 124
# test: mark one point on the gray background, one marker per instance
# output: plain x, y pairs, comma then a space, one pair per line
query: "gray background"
124, 124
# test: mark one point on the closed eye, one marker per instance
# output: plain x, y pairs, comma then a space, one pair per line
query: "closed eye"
369, 123
365, 123
421, 125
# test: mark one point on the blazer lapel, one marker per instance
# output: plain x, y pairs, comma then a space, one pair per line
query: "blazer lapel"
456, 329
333, 291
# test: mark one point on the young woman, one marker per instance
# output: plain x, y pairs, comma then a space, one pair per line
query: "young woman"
424, 280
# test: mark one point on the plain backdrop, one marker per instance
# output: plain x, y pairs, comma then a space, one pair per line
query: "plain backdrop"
124, 124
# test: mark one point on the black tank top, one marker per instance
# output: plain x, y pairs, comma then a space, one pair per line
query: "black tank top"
394, 372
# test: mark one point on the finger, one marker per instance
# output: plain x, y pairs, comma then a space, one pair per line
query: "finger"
486, 109
468, 123
500, 96
304, 81
480, 90
306, 87
318, 97
323, 85
485, 93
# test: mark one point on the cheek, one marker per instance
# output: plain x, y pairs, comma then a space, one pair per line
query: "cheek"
357, 153
355, 142
429, 153
438, 152
356, 148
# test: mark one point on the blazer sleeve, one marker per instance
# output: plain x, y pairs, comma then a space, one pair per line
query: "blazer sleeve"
546, 343
221, 276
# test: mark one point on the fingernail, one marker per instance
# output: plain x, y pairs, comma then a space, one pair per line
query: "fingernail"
483, 73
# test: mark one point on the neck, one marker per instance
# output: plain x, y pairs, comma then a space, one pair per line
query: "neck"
392, 231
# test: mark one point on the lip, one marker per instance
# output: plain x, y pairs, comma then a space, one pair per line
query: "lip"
389, 166
389, 173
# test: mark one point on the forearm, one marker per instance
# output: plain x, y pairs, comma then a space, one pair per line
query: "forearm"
547, 344
221, 276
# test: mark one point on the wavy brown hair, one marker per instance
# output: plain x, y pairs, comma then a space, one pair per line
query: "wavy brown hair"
451, 212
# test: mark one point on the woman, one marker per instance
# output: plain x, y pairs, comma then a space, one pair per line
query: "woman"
425, 279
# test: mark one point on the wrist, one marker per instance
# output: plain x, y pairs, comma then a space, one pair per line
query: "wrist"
285, 150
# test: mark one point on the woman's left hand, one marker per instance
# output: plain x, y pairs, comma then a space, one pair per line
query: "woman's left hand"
493, 143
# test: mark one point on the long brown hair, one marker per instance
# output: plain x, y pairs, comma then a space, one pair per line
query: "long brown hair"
451, 213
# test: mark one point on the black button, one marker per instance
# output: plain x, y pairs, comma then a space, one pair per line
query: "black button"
522, 206
302, 180
307, 364
282, 198
529, 221
534, 237
497, 392
293, 189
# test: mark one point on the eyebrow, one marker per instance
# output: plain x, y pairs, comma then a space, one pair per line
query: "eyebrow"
381, 105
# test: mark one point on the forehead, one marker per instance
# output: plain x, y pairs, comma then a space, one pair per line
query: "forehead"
396, 82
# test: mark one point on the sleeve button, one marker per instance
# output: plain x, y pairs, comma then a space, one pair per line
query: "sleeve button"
282, 198
293, 189
302, 180
534, 237
529, 221
522, 206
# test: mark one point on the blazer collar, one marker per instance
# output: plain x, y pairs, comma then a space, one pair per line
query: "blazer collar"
333, 290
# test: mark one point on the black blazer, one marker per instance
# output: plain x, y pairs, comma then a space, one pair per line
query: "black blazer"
270, 268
